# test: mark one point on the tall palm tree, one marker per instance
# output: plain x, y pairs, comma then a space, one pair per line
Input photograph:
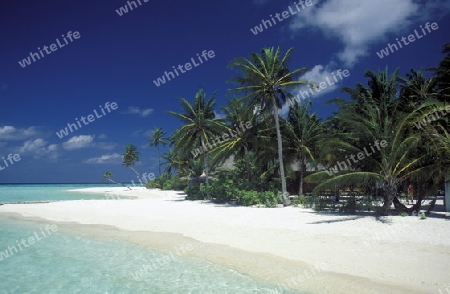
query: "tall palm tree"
130, 157
199, 129
303, 131
156, 139
265, 79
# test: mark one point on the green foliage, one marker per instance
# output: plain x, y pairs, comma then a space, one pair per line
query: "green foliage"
224, 192
422, 215
299, 200
248, 198
403, 214
194, 193
168, 183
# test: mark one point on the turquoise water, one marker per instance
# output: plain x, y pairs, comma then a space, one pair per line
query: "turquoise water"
64, 262
40, 192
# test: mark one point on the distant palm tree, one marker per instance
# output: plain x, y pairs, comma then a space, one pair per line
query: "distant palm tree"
265, 79
130, 157
156, 139
108, 175
199, 129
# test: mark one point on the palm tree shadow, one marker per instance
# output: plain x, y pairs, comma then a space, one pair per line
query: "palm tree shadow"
336, 220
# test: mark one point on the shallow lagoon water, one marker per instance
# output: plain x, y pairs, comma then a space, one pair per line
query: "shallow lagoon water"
64, 262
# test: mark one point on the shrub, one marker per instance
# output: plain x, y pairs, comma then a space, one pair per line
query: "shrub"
168, 183
403, 214
248, 198
194, 192
175, 183
220, 191
299, 200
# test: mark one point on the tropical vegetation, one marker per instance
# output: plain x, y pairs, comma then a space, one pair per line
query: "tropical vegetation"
285, 155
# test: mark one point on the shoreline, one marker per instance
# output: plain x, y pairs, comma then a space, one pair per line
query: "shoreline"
287, 241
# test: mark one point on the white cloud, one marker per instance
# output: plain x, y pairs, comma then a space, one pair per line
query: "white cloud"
219, 115
77, 142
359, 24
38, 148
10, 133
318, 74
108, 158
138, 111
102, 136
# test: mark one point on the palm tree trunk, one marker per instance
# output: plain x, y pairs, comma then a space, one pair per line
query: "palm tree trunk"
286, 200
118, 184
137, 174
390, 193
247, 164
300, 174
205, 161
447, 191
159, 161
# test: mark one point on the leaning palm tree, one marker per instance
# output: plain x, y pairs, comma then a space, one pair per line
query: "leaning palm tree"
265, 79
156, 139
199, 129
130, 157
108, 176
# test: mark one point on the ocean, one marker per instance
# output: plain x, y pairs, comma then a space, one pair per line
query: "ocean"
40, 257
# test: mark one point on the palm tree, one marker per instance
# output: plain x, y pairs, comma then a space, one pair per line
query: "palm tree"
265, 79
376, 115
130, 157
108, 175
237, 114
199, 129
303, 132
443, 75
156, 139
172, 161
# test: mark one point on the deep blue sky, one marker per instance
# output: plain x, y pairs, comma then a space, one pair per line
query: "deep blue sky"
118, 57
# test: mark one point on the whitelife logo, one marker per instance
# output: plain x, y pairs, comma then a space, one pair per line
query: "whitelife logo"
122, 10
343, 166
31, 240
64, 132
411, 38
187, 67
284, 15
10, 157
27, 61
323, 84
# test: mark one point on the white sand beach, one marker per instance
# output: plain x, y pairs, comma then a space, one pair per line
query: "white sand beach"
357, 254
